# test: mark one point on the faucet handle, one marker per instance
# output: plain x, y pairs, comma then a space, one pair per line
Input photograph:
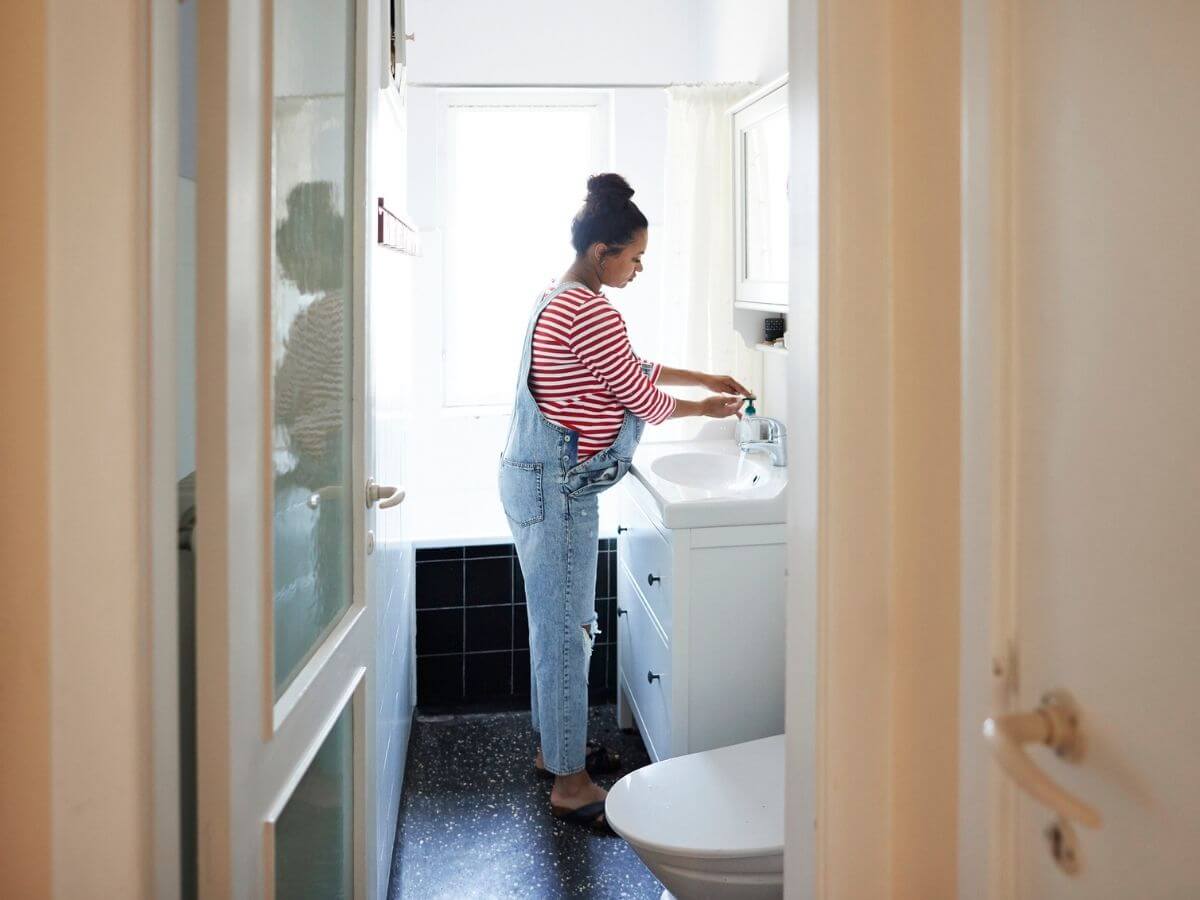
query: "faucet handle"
760, 428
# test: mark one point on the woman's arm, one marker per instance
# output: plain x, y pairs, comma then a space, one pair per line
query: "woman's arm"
718, 406
678, 376
723, 384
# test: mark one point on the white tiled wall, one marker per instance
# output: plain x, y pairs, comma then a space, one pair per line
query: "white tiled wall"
391, 302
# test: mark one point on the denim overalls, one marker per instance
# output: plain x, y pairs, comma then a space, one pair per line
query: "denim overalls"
551, 503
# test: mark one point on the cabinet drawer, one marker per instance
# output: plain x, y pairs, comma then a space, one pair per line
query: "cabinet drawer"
645, 663
646, 553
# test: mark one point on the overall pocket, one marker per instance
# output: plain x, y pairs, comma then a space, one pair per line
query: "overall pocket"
597, 480
521, 492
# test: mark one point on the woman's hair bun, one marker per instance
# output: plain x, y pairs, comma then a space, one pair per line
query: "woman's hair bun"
609, 185
608, 215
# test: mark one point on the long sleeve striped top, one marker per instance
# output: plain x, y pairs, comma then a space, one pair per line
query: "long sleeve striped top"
584, 373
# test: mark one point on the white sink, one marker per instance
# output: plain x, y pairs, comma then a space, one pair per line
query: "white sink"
717, 473
702, 483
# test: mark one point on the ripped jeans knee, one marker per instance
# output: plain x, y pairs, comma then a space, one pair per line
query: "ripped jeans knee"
591, 631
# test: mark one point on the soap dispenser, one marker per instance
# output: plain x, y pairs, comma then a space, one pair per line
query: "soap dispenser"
748, 427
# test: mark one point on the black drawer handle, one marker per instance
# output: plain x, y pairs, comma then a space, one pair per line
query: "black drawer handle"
621, 612
621, 529
651, 677
650, 579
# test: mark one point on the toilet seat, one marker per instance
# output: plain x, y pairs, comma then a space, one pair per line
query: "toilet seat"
717, 804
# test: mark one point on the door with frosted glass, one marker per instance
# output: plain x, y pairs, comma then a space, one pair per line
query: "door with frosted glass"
284, 629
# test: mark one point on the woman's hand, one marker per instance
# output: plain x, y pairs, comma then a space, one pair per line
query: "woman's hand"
720, 406
722, 384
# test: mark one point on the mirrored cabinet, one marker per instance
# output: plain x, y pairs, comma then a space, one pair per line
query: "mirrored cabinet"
760, 194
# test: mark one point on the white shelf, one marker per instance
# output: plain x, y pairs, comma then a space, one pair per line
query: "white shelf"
770, 348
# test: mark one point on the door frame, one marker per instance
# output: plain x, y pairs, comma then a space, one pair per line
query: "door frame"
162, 513
987, 800
873, 394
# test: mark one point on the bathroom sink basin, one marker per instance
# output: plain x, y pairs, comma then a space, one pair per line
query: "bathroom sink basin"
705, 483
718, 473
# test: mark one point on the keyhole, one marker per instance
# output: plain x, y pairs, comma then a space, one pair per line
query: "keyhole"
1064, 846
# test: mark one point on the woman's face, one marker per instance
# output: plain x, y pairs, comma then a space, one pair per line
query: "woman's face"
619, 269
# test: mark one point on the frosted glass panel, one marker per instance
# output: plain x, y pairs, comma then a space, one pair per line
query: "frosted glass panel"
766, 161
516, 177
314, 835
312, 183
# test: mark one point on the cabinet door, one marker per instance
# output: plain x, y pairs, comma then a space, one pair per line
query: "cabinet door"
645, 662
645, 553
761, 159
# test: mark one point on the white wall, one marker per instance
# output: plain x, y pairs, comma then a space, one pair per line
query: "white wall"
391, 311
748, 40
619, 42
551, 42
542, 42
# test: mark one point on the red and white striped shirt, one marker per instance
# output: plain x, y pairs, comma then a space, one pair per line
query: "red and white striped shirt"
584, 373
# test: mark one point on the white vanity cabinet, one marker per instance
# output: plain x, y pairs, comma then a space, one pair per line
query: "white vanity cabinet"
700, 629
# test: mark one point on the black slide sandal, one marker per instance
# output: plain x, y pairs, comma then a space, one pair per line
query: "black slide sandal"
589, 816
599, 761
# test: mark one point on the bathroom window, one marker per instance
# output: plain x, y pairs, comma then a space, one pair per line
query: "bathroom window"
515, 166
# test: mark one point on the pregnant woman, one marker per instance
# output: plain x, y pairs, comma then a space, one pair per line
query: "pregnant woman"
583, 399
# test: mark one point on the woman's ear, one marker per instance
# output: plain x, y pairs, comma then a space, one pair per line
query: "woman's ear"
597, 252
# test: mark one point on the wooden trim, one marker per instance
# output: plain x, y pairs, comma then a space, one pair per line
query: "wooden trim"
25, 615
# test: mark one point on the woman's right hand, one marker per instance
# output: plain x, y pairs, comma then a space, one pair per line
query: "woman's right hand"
721, 406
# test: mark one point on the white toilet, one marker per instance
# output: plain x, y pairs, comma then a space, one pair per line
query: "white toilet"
708, 825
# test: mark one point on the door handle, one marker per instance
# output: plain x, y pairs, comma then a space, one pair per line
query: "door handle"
383, 494
329, 492
1054, 723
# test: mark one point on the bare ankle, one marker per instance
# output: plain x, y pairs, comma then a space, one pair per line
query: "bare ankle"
570, 785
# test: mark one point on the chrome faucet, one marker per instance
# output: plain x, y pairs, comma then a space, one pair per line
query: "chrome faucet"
763, 433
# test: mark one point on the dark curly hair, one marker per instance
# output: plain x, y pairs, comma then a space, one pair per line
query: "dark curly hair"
608, 215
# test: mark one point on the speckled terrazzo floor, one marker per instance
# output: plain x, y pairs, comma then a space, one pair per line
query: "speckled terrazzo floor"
475, 821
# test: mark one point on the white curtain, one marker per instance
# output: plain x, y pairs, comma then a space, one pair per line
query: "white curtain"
696, 321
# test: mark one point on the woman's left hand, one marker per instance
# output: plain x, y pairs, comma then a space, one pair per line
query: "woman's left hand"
723, 384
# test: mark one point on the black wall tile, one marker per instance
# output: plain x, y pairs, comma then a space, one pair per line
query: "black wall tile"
521, 673
439, 631
489, 628
598, 670
602, 575
489, 581
481, 550
440, 679
518, 582
602, 615
521, 627
439, 584
489, 675
429, 553
473, 627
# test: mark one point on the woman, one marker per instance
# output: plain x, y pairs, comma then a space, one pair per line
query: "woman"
582, 401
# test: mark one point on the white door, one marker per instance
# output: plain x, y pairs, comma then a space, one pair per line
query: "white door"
285, 625
1081, 420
